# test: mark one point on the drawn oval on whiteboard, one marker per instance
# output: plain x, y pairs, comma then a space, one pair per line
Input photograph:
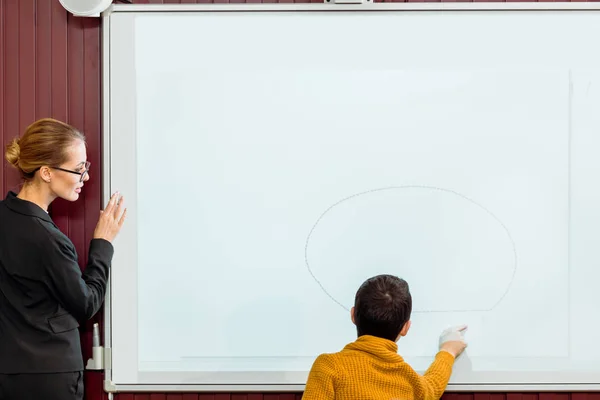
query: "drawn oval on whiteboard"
455, 254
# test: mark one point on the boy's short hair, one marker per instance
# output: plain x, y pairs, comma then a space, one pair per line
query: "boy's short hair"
382, 306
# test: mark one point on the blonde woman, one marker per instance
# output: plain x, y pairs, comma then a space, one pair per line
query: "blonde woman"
43, 294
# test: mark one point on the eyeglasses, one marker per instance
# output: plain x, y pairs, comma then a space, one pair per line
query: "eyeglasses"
83, 173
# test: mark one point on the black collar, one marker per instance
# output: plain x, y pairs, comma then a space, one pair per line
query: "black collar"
26, 207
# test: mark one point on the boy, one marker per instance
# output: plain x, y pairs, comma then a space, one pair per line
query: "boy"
370, 367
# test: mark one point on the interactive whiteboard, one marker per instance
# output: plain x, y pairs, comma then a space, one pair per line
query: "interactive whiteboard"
274, 157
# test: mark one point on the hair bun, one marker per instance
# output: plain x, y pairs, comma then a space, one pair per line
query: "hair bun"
13, 152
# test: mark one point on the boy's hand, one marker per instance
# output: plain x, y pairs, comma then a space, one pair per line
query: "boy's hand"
453, 341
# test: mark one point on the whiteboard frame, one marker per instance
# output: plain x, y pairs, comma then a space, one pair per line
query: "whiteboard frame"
106, 167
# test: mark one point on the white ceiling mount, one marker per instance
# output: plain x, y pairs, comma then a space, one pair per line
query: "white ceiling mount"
85, 8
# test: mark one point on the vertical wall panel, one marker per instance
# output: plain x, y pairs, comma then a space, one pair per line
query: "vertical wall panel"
2, 95
92, 191
273, 397
93, 386
26, 63
287, 396
458, 396
43, 59
10, 81
255, 396
58, 65
522, 396
75, 108
59, 90
554, 396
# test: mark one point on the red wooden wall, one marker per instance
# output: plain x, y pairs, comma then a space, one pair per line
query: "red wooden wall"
50, 66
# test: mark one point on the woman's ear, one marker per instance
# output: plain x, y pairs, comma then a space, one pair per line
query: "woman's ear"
45, 174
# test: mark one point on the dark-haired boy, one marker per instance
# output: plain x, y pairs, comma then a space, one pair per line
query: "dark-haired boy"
370, 367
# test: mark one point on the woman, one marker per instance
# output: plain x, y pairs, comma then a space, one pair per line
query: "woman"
43, 294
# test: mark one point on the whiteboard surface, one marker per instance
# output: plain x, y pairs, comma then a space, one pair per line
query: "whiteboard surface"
268, 175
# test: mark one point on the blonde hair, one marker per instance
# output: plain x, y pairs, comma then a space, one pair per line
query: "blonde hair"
45, 142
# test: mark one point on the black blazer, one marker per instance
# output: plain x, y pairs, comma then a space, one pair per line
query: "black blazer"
43, 294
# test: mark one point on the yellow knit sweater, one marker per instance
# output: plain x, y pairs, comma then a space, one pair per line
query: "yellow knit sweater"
371, 369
